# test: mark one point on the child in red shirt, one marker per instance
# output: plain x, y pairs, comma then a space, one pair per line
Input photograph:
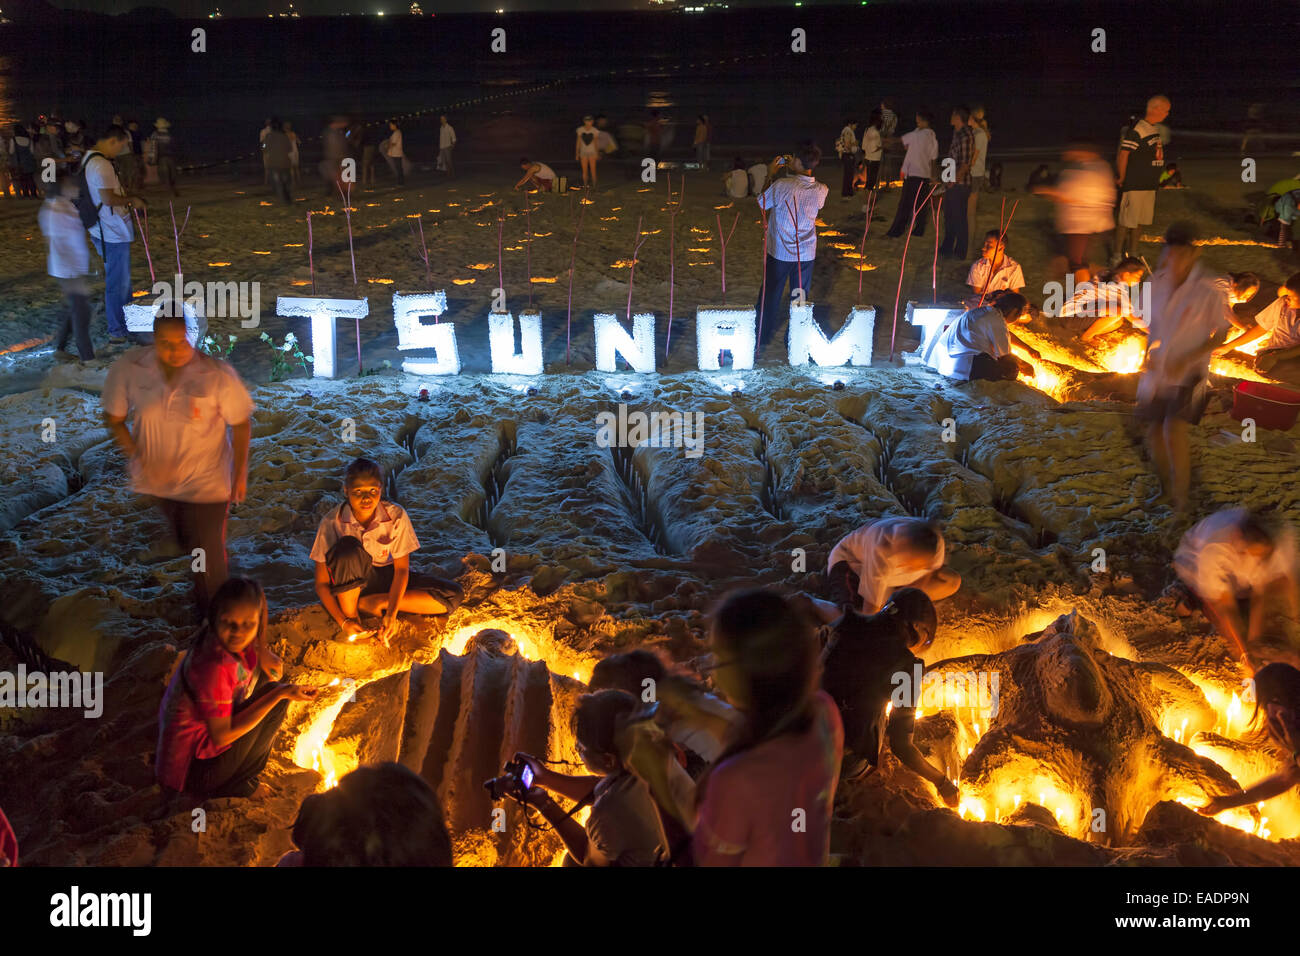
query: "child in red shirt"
216, 724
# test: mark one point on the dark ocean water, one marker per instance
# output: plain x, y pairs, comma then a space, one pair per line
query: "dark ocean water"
1031, 65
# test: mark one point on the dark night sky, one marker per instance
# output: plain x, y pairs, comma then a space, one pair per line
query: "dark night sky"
195, 8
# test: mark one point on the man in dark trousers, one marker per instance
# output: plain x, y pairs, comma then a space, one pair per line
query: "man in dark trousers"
863, 663
956, 232
792, 203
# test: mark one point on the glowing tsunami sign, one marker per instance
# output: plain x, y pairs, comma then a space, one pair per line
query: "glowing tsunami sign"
322, 313
933, 321
612, 340
850, 345
717, 331
413, 333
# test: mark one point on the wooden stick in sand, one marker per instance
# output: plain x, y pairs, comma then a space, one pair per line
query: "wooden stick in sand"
722, 241
672, 264
501, 272
528, 247
902, 263
144, 235
573, 261
347, 212
862, 249
311, 265
762, 287
636, 249
176, 235
934, 266
424, 249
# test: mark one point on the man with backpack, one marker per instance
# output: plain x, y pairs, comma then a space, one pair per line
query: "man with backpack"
106, 211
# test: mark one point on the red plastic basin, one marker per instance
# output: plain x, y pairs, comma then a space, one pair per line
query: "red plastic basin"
1272, 406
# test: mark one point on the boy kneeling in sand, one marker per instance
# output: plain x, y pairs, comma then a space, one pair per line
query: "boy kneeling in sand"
362, 553
1235, 564
868, 565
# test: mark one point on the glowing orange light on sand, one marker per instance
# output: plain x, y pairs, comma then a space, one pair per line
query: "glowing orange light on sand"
380, 281
293, 245
463, 281
218, 265
548, 279
260, 252
1043, 379
301, 282
623, 264
1125, 358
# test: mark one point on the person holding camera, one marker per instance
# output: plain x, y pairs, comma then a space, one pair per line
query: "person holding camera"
624, 827
860, 664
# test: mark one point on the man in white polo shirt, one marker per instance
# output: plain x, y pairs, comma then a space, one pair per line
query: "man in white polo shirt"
184, 409
871, 563
792, 203
1235, 556
1189, 319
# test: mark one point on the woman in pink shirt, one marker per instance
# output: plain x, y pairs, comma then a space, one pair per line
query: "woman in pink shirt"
217, 722
767, 801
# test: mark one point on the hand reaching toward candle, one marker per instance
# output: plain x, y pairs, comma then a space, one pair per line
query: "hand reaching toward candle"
388, 628
295, 692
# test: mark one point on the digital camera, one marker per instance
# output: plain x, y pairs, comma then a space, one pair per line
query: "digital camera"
515, 780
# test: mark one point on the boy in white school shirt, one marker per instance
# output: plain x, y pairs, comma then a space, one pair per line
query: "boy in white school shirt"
994, 271
871, 563
362, 553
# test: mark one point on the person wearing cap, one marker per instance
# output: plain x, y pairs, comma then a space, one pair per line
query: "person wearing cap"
165, 154
869, 663
1190, 318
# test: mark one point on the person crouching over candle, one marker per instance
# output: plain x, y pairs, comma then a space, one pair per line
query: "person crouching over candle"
868, 565
363, 566
1235, 557
224, 703
861, 665
188, 441
1277, 696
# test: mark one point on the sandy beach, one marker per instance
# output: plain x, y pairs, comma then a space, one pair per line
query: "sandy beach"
603, 553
